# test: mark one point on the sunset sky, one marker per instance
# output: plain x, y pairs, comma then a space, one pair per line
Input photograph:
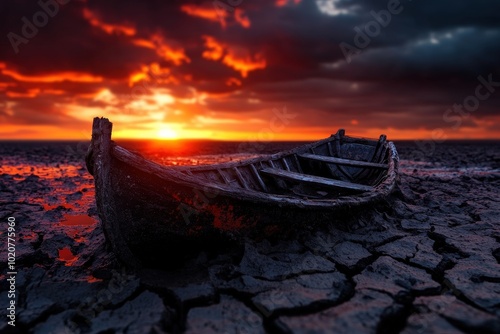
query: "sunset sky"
250, 69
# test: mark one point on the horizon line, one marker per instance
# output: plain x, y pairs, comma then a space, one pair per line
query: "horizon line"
228, 140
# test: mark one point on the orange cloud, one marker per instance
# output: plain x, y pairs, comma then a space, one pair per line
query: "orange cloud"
4, 85
137, 77
155, 75
53, 77
210, 14
215, 49
53, 91
106, 27
237, 59
244, 64
31, 93
145, 43
244, 21
281, 3
165, 51
233, 82
218, 13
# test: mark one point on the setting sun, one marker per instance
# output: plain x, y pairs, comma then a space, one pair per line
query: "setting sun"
167, 133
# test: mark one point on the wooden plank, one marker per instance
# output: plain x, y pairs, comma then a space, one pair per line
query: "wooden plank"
257, 176
346, 176
323, 181
240, 178
223, 176
380, 148
345, 162
286, 164
366, 173
330, 150
298, 163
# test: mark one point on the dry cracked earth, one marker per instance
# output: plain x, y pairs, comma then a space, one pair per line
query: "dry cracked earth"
426, 260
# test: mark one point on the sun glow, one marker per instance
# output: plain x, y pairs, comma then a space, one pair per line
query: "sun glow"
167, 133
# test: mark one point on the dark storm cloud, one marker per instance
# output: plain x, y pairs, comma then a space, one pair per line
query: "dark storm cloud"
297, 39
68, 43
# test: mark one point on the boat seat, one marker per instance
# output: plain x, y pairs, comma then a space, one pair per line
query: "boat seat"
317, 180
344, 162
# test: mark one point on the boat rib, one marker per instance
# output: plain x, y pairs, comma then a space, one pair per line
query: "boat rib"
345, 162
317, 180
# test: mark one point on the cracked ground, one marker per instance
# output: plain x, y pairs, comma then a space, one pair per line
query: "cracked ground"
425, 260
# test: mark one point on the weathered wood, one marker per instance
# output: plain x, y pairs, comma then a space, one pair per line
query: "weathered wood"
330, 150
285, 163
345, 162
257, 176
100, 151
380, 148
345, 176
361, 141
311, 179
376, 157
240, 178
297, 162
223, 176
146, 207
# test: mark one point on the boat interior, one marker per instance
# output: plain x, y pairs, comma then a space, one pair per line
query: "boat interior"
332, 167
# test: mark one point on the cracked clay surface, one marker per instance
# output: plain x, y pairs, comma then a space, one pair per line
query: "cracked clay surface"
425, 260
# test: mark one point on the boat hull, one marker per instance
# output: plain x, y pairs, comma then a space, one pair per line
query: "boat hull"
148, 211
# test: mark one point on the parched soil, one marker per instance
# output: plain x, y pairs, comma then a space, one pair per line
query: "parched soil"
426, 260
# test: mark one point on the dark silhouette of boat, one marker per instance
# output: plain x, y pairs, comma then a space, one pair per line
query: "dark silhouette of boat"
147, 209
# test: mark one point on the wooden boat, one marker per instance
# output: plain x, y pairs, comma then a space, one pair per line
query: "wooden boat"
147, 208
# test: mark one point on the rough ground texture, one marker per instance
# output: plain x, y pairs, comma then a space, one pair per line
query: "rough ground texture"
426, 260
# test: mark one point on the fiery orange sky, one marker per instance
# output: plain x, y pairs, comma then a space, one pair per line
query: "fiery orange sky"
242, 70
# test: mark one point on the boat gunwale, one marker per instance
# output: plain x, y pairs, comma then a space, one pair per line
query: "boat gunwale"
275, 156
176, 175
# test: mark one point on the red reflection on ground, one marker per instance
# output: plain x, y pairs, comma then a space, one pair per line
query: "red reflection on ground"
48, 207
77, 220
42, 171
30, 236
77, 225
92, 279
67, 256
224, 218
